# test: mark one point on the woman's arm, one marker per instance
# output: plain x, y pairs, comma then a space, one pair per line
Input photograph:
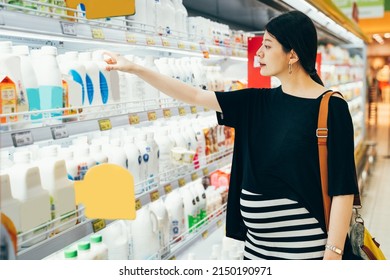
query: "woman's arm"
172, 87
340, 218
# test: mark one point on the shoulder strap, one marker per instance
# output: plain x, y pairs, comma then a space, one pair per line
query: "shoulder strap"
322, 137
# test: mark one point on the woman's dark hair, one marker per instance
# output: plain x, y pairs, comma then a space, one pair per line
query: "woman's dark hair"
295, 30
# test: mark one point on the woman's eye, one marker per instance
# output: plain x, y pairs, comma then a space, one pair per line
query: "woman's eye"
267, 47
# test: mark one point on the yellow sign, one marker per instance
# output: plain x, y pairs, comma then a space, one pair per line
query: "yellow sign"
194, 176
97, 33
205, 171
167, 113
102, 9
134, 119
168, 189
152, 116
154, 195
98, 224
105, 124
182, 182
138, 204
107, 192
182, 111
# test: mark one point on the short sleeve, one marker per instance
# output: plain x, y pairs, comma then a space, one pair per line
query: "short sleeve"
233, 105
341, 161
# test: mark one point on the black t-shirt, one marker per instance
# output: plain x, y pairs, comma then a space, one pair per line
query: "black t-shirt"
276, 152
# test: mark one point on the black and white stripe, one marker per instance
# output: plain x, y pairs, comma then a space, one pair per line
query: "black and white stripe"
280, 229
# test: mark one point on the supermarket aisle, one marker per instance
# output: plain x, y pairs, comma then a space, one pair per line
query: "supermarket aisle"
376, 194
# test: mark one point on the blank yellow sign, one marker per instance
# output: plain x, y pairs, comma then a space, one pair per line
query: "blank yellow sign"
107, 192
103, 8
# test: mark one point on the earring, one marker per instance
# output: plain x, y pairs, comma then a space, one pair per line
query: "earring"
289, 68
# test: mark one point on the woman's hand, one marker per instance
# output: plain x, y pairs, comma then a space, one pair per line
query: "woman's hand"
118, 62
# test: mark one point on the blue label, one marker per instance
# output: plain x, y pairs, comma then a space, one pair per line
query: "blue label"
146, 157
89, 88
78, 79
103, 87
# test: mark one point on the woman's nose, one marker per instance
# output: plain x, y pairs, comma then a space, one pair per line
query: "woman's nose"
259, 53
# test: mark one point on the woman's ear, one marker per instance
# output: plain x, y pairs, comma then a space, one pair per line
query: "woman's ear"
293, 57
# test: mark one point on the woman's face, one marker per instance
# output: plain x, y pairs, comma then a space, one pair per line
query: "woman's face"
273, 60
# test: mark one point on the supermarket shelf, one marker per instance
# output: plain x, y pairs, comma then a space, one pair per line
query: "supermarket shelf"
93, 118
84, 227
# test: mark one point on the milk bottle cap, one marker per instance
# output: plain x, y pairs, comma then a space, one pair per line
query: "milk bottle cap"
96, 238
84, 245
70, 253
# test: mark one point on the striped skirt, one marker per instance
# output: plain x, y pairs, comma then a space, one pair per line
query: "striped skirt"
280, 229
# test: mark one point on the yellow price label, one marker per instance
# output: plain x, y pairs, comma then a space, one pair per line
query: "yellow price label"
165, 42
206, 109
152, 116
182, 182
181, 45
172, 258
134, 119
138, 204
150, 41
105, 124
131, 38
97, 33
205, 171
212, 50
154, 195
206, 54
168, 189
182, 111
219, 223
234, 52
205, 234
98, 224
194, 110
194, 176
167, 113
193, 47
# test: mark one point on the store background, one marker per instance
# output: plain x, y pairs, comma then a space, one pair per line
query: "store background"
251, 16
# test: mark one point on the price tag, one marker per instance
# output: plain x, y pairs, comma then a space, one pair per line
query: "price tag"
165, 42
138, 204
154, 195
182, 111
172, 258
205, 234
168, 189
182, 182
181, 45
150, 41
211, 50
131, 38
206, 54
218, 51
134, 119
205, 171
206, 109
22, 138
152, 116
105, 124
167, 113
219, 223
98, 224
194, 47
68, 28
194, 110
194, 176
97, 33
59, 132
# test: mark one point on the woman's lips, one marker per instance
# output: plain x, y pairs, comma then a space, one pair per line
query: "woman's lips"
262, 65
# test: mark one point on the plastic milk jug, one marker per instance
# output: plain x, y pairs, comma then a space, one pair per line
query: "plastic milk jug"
190, 208
116, 238
175, 208
9, 205
164, 145
161, 225
94, 94
98, 247
35, 209
134, 161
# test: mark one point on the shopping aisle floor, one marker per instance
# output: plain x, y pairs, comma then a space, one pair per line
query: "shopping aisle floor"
376, 193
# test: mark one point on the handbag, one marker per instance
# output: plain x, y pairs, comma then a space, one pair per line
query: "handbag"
364, 246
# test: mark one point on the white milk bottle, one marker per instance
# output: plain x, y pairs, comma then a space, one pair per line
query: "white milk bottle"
95, 150
137, 21
197, 187
73, 93
29, 79
35, 210
116, 238
162, 224
55, 180
98, 247
201, 143
92, 79
83, 158
117, 153
190, 208
109, 80
84, 251
10, 206
49, 79
152, 95
153, 171
140, 141
134, 161
72, 166
145, 239
175, 208
70, 65
14, 98
164, 145
165, 69
181, 15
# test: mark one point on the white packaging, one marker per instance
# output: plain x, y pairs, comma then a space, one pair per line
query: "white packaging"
116, 238
134, 161
98, 247
175, 208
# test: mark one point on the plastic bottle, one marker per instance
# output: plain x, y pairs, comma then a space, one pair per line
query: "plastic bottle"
94, 94
190, 208
70, 254
152, 95
117, 154
134, 161
29, 79
10, 206
49, 79
175, 208
137, 21
181, 15
201, 194
26, 186
72, 166
161, 225
97, 154
13, 98
55, 180
116, 238
140, 141
84, 251
84, 160
153, 171
98, 247
164, 145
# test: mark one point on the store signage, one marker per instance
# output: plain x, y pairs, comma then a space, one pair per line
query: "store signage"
167, 113
59, 132
103, 9
194, 176
68, 28
182, 182
24, 138
138, 204
133, 119
152, 116
97, 33
168, 188
182, 111
155, 195
364, 8
193, 110
105, 124
98, 224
